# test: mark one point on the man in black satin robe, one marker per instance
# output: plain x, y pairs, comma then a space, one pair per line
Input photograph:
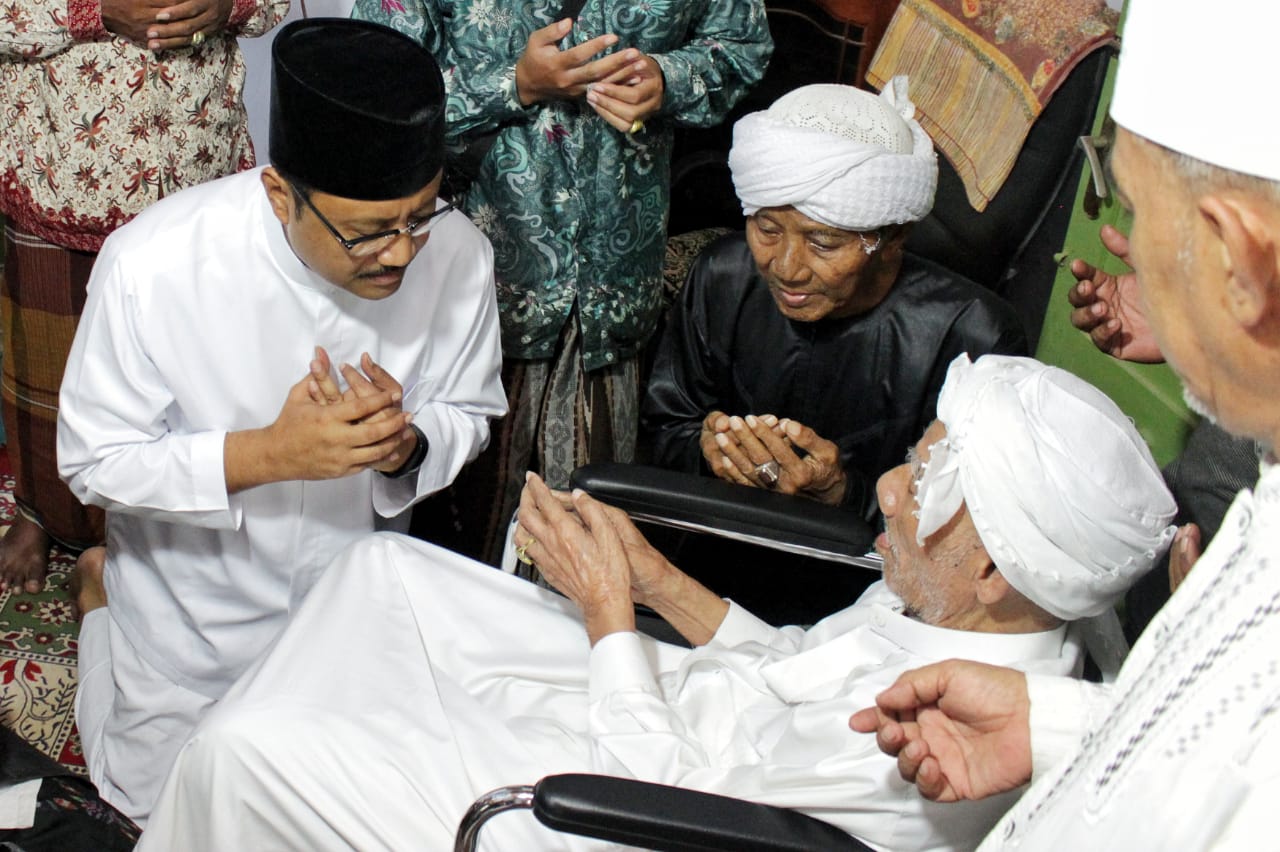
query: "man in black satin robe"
807, 353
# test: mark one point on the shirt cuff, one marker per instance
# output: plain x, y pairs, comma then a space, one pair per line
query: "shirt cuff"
618, 662
1059, 716
740, 626
84, 20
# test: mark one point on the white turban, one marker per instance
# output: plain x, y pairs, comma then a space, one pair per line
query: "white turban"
1198, 79
1062, 489
844, 157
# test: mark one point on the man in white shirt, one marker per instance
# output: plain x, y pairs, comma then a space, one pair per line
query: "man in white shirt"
1181, 751
269, 367
411, 680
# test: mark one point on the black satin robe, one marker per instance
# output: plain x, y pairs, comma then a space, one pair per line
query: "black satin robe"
870, 383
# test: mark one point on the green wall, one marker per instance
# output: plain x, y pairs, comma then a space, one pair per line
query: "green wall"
1149, 393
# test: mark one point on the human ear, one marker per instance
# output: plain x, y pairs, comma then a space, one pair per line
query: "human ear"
1249, 256
278, 194
990, 584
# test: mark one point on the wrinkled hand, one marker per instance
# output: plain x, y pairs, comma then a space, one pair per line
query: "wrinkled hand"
960, 730
632, 94
545, 72
648, 566
715, 423
1107, 307
722, 451
579, 553
1183, 555
753, 441
309, 441
323, 390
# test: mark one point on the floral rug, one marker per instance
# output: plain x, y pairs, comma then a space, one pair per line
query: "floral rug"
38, 654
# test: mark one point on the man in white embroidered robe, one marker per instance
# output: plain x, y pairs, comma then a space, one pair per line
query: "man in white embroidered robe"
201, 408
412, 680
1183, 750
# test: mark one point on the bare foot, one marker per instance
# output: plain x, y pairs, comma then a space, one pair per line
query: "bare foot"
86, 583
24, 556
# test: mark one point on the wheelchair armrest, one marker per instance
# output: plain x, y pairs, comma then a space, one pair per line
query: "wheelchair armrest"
673, 819
687, 501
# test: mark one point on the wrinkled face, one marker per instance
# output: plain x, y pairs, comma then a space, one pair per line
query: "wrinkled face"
815, 271
1163, 251
374, 277
928, 578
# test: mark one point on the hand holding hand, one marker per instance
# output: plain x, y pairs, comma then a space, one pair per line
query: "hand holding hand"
185, 24
579, 553
309, 441
323, 390
131, 19
545, 72
1107, 306
818, 474
960, 730
715, 423
632, 94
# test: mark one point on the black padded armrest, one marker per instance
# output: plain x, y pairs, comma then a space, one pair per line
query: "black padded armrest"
689, 501
673, 819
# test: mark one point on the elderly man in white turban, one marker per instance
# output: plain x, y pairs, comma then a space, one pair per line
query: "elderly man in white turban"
806, 354
408, 683
1183, 750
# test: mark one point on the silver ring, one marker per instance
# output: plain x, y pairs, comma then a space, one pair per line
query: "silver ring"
767, 473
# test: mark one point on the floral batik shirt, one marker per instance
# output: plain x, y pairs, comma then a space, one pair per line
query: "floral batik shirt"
575, 209
93, 128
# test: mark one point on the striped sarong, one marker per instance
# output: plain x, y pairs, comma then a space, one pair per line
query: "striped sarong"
41, 300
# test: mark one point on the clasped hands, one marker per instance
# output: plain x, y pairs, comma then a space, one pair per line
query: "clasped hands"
325, 433
163, 24
735, 448
591, 552
623, 88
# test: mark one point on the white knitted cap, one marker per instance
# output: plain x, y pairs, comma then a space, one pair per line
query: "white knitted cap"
1196, 78
842, 156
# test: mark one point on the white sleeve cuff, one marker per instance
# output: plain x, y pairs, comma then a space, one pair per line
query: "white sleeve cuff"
618, 662
740, 626
1061, 709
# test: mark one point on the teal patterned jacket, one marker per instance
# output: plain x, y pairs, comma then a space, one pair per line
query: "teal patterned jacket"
575, 209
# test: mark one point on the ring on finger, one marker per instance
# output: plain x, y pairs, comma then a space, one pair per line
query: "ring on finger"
767, 473
197, 38
522, 553
636, 127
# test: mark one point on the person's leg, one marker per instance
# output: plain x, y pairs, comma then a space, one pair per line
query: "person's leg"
404, 687
41, 300
132, 720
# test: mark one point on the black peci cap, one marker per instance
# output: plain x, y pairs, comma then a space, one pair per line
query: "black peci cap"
357, 109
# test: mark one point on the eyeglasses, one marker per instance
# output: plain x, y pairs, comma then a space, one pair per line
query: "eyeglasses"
372, 244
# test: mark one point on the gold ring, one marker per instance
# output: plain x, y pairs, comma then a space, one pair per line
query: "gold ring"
636, 127
197, 38
522, 552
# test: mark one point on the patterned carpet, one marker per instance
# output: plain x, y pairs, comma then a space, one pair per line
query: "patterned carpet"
38, 654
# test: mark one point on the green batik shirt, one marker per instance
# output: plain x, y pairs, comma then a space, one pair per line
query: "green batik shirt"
577, 210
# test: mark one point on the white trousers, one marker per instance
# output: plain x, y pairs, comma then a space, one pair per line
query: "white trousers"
132, 719
402, 689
